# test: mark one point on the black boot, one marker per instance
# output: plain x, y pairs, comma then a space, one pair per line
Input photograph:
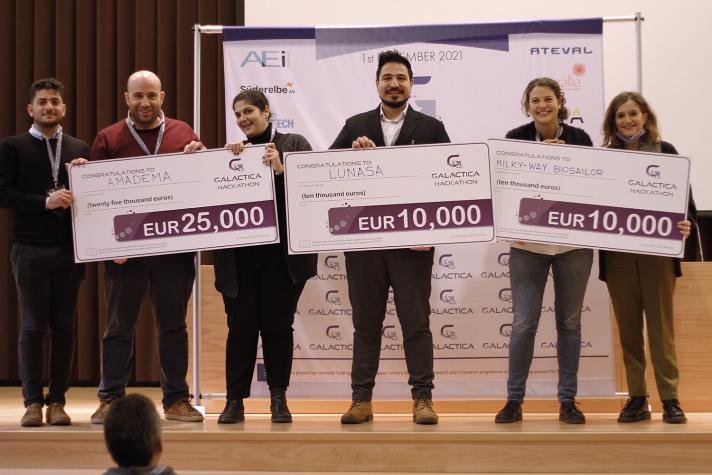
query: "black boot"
234, 412
278, 406
635, 409
511, 412
672, 413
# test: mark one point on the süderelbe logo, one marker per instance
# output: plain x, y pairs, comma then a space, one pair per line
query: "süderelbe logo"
286, 88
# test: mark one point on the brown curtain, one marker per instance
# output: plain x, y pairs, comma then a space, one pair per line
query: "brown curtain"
92, 47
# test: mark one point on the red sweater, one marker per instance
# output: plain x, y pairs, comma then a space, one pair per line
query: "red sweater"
116, 141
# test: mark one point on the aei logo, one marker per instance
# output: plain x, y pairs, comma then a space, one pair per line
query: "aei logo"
267, 59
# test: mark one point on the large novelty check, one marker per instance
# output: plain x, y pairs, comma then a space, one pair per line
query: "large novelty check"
388, 197
172, 203
589, 197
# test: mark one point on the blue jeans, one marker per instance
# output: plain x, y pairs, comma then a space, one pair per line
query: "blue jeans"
528, 273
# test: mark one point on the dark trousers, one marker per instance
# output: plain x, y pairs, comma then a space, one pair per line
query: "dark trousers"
169, 281
370, 274
265, 305
47, 285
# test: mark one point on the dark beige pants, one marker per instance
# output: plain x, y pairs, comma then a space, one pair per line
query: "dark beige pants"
644, 285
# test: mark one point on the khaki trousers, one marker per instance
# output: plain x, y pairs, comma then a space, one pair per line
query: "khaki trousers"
644, 285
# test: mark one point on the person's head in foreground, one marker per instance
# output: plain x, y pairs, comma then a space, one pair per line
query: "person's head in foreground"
132, 431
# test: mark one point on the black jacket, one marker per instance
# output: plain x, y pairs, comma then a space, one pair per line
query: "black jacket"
417, 129
570, 135
301, 266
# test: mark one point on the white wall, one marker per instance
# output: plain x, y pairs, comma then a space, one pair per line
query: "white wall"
677, 50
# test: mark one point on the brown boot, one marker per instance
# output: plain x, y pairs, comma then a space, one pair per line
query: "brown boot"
56, 415
183, 411
358, 413
102, 411
423, 412
33, 416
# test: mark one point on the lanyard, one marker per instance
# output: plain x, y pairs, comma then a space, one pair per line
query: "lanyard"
55, 157
140, 142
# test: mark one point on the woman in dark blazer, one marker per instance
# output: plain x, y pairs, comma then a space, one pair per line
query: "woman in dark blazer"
529, 266
643, 285
261, 285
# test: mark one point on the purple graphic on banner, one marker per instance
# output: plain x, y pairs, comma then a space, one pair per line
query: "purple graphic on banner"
598, 218
206, 219
410, 217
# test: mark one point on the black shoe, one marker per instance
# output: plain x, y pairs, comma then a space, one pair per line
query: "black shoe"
569, 413
635, 409
234, 412
511, 412
672, 413
278, 406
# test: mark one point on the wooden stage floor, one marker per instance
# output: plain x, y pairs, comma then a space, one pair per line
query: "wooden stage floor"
314, 443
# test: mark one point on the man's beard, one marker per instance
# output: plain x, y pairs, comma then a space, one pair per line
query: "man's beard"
47, 124
395, 104
137, 119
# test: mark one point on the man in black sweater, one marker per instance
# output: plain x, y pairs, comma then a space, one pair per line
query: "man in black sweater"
34, 184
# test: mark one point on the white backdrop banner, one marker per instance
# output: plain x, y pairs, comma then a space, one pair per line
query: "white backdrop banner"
470, 76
